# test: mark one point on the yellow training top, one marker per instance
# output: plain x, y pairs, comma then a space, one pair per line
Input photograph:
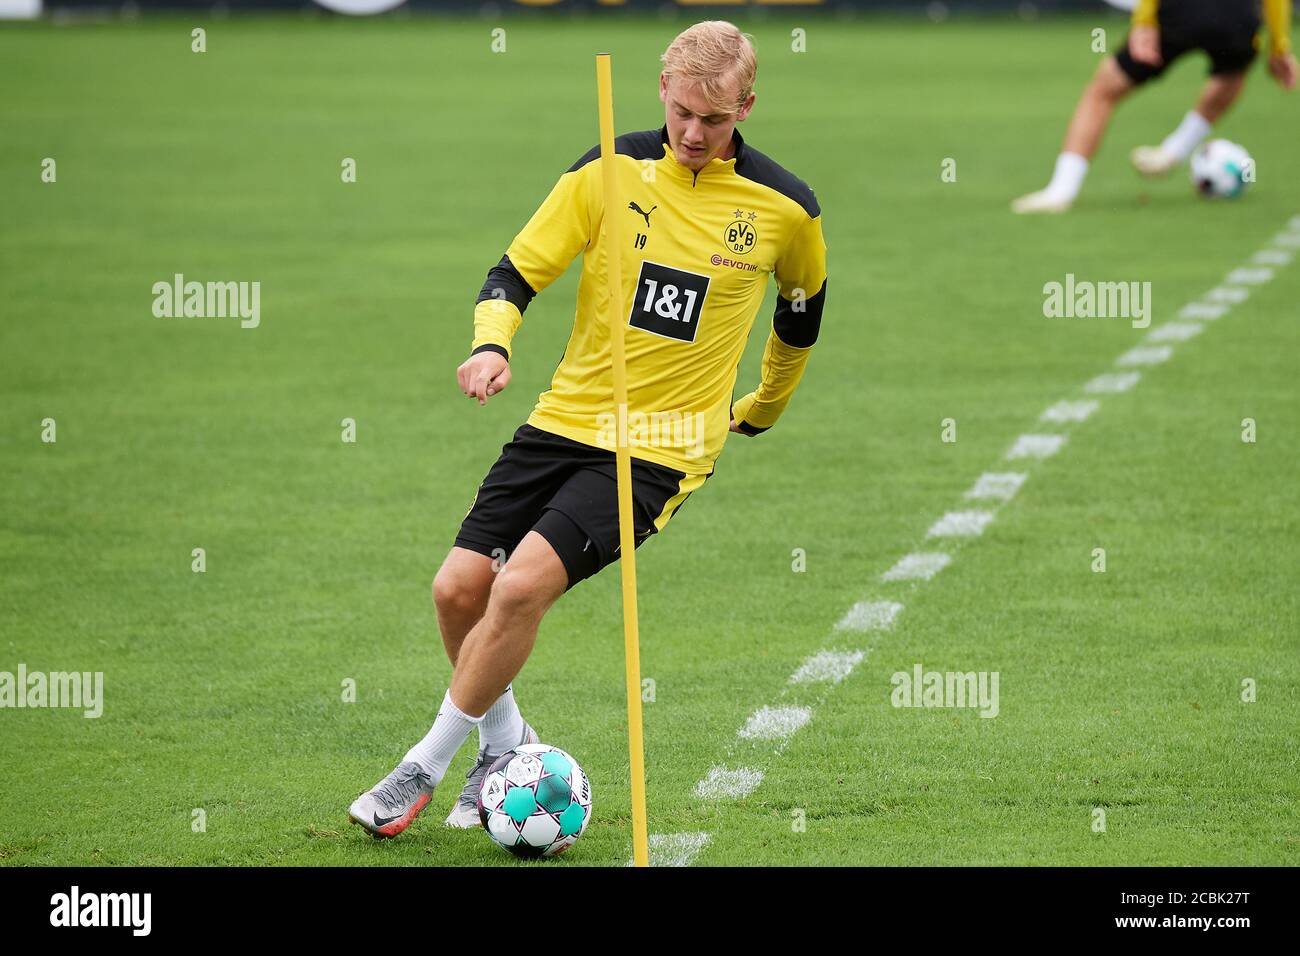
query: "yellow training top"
698, 248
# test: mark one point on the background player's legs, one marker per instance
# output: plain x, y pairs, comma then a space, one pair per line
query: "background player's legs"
1218, 95
1107, 87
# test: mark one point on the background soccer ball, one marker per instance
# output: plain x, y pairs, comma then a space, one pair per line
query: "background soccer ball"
535, 800
1221, 169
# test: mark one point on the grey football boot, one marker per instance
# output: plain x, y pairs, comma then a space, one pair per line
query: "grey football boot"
464, 814
395, 801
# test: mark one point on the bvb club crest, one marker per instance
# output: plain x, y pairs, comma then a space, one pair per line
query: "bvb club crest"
740, 237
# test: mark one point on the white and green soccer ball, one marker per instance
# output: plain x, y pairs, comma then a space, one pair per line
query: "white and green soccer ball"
535, 800
1221, 169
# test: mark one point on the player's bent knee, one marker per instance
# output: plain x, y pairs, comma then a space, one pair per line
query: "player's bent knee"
456, 593
520, 592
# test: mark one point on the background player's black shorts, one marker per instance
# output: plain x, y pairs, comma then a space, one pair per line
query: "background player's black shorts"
567, 492
1224, 29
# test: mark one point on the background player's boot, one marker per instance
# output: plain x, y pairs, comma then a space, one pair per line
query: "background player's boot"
394, 802
1042, 201
1152, 160
464, 814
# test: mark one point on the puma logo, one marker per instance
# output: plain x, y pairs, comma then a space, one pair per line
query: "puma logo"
645, 215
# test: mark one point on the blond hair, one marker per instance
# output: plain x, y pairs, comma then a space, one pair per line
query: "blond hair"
708, 53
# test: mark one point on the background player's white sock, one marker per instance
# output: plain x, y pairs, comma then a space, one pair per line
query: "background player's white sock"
502, 726
1067, 177
435, 752
1187, 136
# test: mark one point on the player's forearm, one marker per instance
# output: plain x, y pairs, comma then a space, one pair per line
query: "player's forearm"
796, 323
782, 368
1277, 14
500, 307
1145, 13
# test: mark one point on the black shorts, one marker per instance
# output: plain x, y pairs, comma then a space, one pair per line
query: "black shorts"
1224, 29
568, 493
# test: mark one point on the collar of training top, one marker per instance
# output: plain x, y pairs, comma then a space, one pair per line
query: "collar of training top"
713, 165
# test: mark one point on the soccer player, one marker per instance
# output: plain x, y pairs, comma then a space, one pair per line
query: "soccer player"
1162, 31
708, 217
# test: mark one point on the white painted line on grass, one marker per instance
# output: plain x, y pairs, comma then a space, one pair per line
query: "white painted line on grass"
1174, 332
774, 723
917, 567
722, 783
1228, 294
1067, 411
1248, 276
1112, 383
869, 616
1202, 310
960, 524
999, 485
1036, 446
827, 667
674, 849
1145, 355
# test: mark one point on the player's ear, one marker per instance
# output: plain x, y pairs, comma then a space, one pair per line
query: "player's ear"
745, 107
663, 87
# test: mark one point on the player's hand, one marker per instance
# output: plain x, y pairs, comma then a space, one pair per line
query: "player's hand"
483, 375
1283, 68
736, 428
1144, 45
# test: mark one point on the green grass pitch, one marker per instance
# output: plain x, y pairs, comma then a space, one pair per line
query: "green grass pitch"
223, 690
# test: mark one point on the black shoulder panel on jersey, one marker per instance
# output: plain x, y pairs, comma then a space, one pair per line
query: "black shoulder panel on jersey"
644, 144
767, 172
505, 282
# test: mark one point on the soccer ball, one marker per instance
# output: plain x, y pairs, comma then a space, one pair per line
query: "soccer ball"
1221, 169
535, 800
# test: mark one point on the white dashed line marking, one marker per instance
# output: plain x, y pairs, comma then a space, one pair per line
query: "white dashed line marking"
674, 849
1036, 446
998, 485
1174, 332
1145, 355
917, 567
1228, 294
827, 667
1202, 310
1249, 276
869, 616
729, 784
960, 524
774, 723
1112, 383
1067, 411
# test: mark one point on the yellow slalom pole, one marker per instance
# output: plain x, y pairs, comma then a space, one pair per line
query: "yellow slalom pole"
622, 455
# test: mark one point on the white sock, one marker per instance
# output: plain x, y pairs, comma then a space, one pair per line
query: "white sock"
1067, 178
502, 725
1187, 137
435, 752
